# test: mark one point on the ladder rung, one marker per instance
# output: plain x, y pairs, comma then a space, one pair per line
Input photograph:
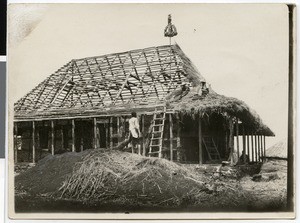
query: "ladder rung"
158, 125
155, 145
156, 138
154, 152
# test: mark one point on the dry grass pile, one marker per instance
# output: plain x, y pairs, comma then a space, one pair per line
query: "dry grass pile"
113, 174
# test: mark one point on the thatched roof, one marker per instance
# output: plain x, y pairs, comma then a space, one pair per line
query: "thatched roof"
226, 106
278, 150
117, 83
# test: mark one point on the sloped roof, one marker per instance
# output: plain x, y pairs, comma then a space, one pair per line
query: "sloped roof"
117, 83
139, 77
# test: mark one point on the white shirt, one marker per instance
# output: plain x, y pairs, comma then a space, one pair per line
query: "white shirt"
134, 126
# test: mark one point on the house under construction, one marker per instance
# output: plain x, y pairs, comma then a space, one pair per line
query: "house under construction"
86, 104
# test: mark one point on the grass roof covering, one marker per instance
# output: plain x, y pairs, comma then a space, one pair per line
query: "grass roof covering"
214, 103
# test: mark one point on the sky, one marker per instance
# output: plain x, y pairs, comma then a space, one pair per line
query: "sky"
240, 49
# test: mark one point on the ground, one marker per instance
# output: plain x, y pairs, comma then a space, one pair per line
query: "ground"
114, 181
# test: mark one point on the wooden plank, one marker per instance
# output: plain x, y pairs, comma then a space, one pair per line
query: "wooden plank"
200, 141
237, 138
171, 136
33, 142
95, 133
52, 137
73, 135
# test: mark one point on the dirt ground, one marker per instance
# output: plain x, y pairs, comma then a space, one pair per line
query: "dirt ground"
124, 182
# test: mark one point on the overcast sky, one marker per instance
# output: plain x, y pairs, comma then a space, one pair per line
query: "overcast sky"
241, 50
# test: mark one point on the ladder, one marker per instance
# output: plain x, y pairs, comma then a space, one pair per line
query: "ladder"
158, 123
211, 148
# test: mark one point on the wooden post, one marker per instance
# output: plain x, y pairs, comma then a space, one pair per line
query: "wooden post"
200, 140
73, 135
248, 146
52, 137
33, 142
38, 146
171, 137
265, 146
143, 133
16, 142
255, 144
178, 142
95, 133
252, 148
231, 140
258, 148
110, 132
237, 138
118, 129
62, 137
244, 144
262, 149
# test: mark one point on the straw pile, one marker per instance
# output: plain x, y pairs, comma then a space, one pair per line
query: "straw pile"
111, 174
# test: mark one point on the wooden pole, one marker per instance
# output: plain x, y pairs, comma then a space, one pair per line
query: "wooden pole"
200, 141
16, 142
262, 149
237, 138
95, 133
33, 142
73, 135
255, 149
265, 147
52, 137
111, 132
244, 144
258, 148
118, 130
248, 146
171, 137
252, 148
143, 133
38, 146
231, 140
178, 142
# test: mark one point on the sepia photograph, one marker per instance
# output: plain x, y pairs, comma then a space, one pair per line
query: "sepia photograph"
142, 111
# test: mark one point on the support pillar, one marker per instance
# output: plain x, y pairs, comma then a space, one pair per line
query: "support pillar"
231, 140
33, 142
52, 137
16, 142
143, 133
265, 147
95, 133
255, 144
237, 138
200, 141
258, 148
244, 144
248, 146
110, 132
73, 135
171, 136
178, 141
252, 148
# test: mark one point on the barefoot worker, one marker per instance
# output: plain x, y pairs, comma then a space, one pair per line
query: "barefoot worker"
135, 133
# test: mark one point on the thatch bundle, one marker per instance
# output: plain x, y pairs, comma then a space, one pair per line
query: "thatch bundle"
114, 174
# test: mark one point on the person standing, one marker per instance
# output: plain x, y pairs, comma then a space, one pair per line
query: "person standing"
134, 129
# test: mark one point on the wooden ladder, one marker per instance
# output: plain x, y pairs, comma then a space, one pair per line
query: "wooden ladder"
157, 132
211, 148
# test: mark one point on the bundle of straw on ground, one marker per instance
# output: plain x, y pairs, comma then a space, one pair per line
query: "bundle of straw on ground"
113, 174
